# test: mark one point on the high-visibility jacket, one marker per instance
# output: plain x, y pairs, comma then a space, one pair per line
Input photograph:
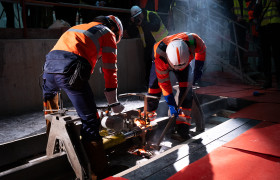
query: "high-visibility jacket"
158, 35
89, 42
241, 13
271, 15
197, 50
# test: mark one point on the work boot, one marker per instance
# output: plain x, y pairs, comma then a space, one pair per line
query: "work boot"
183, 131
97, 158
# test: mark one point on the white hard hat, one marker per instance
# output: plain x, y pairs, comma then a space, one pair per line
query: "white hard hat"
178, 54
135, 11
119, 27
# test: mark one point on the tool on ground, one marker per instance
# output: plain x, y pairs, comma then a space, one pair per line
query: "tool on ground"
257, 93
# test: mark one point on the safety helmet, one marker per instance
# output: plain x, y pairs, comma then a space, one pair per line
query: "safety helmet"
178, 53
135, 11
118, 27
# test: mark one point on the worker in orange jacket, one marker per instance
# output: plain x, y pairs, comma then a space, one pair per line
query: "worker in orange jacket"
175, 53
68, 67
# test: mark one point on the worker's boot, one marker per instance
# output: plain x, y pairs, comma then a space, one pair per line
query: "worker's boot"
97, 158
183, 123
183, 130
50, 106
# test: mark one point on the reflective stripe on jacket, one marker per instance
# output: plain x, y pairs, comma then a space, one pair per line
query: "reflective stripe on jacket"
197, 50
241, 13
271, 15
158, 35
85, 41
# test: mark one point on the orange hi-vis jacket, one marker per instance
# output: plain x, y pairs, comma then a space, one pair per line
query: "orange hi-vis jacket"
89, 42
197, 50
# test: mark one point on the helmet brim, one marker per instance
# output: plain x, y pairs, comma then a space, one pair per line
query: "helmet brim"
137, 14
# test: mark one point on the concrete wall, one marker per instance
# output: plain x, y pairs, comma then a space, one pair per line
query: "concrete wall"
21, 62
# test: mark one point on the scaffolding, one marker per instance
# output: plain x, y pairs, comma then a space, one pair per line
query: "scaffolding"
204, 18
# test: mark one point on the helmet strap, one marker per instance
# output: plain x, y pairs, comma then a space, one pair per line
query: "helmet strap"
112, 26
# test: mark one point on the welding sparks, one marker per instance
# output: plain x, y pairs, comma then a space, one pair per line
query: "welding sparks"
141, 123
142, 152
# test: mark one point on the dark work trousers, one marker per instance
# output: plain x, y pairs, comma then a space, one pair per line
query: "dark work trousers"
82, 100
270, 38
182, 78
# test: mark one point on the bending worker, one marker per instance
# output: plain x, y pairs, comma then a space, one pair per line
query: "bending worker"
68, 67
174, 53
151, 30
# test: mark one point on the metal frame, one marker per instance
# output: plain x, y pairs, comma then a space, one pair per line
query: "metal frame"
63, 137
244, 77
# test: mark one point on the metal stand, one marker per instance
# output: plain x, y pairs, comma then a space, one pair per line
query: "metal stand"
64, 137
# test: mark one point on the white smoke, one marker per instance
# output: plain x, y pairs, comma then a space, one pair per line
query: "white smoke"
206, 18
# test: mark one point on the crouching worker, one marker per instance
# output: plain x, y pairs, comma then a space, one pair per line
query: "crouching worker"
174, 53
68, 67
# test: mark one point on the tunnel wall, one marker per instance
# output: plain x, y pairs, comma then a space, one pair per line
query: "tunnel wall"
21, 62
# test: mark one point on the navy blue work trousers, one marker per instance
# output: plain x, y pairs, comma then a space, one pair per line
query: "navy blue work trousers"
82, 99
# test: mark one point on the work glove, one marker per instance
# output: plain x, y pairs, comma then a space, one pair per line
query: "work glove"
197, 71
113, 102
172, 105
